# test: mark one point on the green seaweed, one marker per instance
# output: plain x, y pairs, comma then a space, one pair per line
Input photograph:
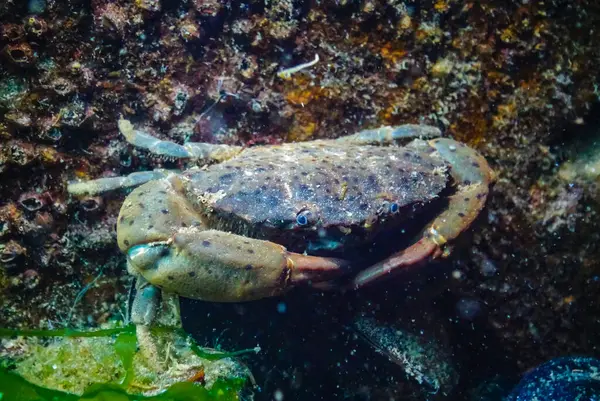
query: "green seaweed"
125, 346
14, 387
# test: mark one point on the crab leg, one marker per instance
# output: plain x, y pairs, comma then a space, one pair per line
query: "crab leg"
217, 266
473, 176
152, 308
388, 135
207, 152
100, 185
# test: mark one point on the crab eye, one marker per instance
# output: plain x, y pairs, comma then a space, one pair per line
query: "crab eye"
394, 208
302, 217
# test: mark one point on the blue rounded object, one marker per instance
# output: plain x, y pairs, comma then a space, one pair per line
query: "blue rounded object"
302, 220
561, 379
302, 217
394, 208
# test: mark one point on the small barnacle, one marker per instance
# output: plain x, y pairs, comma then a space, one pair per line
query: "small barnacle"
32, 201
36, 26
62, 86
20, 53
12, 32
91, 204
208, 8
11, 251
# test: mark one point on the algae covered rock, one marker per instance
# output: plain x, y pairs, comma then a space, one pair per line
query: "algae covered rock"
107, 366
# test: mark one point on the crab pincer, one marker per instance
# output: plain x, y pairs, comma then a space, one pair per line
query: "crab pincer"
216, 266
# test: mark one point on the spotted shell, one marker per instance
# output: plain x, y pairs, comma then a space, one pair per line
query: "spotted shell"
322, 194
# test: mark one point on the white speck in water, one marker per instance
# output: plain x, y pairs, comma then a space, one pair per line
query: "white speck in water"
278, 395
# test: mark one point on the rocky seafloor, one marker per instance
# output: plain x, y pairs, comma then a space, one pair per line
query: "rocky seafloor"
517, 80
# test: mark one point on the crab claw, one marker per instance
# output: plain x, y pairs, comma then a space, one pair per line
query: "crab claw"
420, 252
217, 266
473, 178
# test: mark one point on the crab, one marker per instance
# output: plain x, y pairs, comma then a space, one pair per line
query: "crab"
255, 222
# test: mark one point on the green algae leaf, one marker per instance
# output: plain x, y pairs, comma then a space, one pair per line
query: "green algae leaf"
185, 391
64, 332
222, 390
14, 388
125, 346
